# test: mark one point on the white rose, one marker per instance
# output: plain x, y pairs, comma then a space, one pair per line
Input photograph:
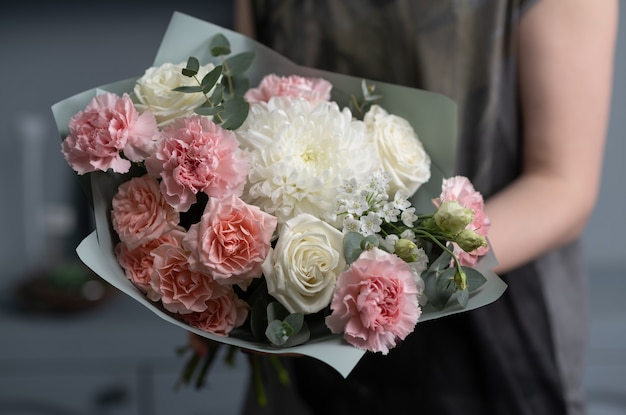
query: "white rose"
401, 153
154, 91
302, 269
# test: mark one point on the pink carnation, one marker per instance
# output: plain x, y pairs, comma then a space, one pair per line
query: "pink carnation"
180, 289
221, 316
196, 155
138, 263
375, 302
460, 189
314, 90
231, 240
140, 213
108, 126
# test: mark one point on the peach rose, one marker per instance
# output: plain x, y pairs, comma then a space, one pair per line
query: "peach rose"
314, 90
375, 302
180, 289
138, 263
231, 240
108, 126
140, 213
221, 316
196, 155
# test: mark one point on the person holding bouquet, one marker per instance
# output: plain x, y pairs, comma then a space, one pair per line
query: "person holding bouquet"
532, 81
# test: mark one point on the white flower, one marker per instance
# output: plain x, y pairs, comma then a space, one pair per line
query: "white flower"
409, 217
154, 91
301, 271
401, 153
370, 223
301, 155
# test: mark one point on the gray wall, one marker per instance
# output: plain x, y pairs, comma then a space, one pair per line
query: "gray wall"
50, 52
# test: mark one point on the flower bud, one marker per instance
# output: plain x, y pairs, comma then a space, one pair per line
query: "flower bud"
460, 279
452, 217
469, 240
406, 250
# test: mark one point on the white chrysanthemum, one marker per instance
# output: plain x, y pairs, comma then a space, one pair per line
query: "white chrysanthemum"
301, 155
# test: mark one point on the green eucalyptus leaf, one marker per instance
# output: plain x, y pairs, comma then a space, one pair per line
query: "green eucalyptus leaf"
218, 94
210, 79
475, 279
192, 68
276, 311
209, 111
462, 296
219, 45
241, 84
188, 89
441, 263
352, 246
295, 320
369, 242
238, 64
302, 336
235, 113
444, 288
278, 332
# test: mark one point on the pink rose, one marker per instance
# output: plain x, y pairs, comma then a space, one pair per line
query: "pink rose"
180, 289
460, 189
375, 302
314, 90
221, 316
107, 126
231, 240
138, 263
196, 155
140, 213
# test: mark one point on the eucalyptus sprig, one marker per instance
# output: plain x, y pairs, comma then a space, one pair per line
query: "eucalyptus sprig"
223, 87
368, 98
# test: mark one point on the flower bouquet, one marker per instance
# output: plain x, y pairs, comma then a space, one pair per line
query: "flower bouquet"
274, 207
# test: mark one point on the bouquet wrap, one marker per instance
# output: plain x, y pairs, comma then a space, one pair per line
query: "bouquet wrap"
433, 116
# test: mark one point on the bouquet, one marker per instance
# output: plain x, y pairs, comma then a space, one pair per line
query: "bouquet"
274, 207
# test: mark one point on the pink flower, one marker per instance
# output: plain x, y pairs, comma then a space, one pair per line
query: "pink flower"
460, 189
221, 316
138, 263
375, 302
180, 289
196, 155
107, 126
231, 240
314, 90
140, 213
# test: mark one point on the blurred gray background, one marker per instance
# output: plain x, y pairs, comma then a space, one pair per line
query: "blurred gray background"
111, 356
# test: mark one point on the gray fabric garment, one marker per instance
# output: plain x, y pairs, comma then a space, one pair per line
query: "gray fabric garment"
465, 49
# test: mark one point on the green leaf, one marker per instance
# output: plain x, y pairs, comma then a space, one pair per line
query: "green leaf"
210, 79
352, 246
444, 288
235, 113
193, 65
276, 311
218, 94
462, 296
219, 45
238, 64
208, 110
241, 84
188, 89
475, 279
369, 242
278, 332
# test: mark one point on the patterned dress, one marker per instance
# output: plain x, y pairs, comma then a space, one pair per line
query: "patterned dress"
523, 354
